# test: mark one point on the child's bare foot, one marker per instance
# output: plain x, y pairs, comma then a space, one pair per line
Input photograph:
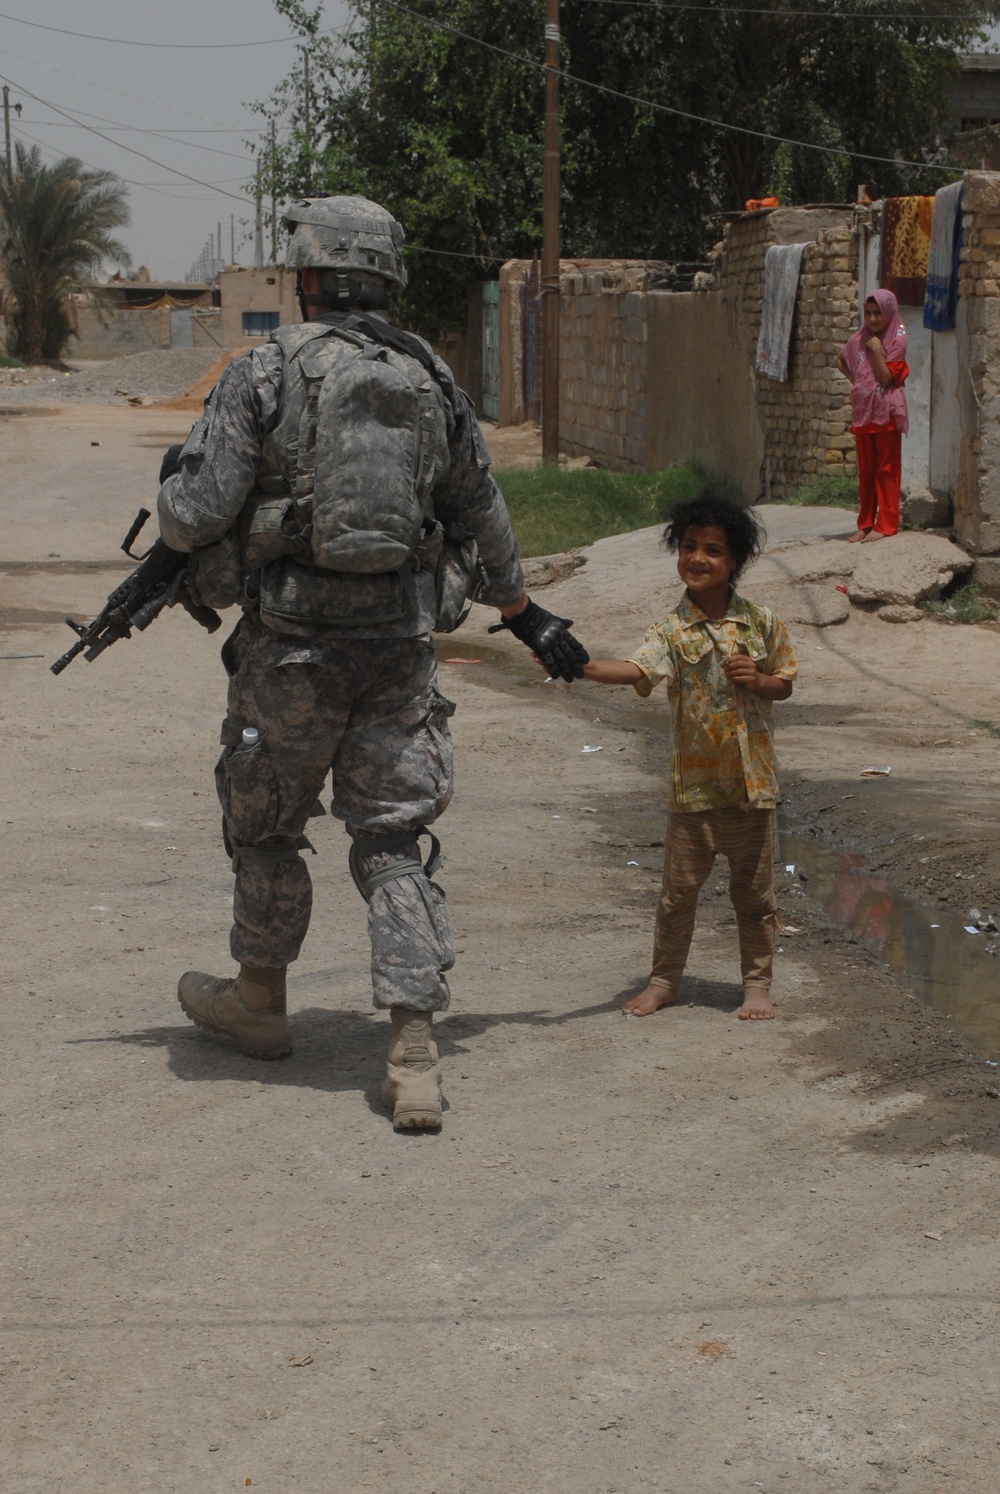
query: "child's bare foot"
858, 536
648, 1001
872, 535
757, 1005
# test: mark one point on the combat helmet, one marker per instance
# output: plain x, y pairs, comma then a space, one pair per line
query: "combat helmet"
360, 242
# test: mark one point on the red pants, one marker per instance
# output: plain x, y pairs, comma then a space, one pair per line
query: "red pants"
879, 466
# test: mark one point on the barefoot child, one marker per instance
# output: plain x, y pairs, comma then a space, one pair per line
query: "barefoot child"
874, 360
724, 660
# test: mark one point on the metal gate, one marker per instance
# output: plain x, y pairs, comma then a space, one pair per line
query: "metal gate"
182, 328
491, 349
531, 342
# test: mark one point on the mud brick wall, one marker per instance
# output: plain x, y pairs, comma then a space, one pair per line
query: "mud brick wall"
602, 357
977, 497
602, 373
108, 332
805, 421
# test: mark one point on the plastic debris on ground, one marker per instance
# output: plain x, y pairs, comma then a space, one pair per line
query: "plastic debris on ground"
591, 749
882, 772
631, 863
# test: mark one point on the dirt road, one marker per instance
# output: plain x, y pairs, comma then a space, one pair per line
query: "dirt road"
684, 1254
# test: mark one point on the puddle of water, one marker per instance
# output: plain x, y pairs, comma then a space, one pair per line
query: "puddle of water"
10, 411
947, 967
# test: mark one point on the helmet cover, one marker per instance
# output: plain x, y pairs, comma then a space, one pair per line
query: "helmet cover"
347, 234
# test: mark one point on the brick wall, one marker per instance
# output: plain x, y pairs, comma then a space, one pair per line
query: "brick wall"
602, 357
977, 498
806, 419
602, 373
110, 333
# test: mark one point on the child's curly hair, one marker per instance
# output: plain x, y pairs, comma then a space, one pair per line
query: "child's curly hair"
744, 532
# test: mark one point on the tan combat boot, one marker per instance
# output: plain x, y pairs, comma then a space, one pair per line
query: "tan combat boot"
413, 1076
250, 1008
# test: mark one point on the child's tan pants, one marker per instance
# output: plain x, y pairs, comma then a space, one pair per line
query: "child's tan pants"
746, 838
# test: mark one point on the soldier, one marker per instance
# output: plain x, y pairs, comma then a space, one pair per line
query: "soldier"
335, 484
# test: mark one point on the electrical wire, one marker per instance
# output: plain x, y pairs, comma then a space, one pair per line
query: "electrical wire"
772, 10
47, 104
49, 150
116, 128
107, 88
615, 93
121, 41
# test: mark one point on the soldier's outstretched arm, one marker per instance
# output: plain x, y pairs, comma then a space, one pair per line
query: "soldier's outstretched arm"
469, 492
218, 462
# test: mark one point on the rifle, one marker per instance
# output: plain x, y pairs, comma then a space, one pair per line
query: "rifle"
159, 581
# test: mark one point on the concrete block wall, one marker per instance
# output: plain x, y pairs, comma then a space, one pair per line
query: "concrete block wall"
805, 419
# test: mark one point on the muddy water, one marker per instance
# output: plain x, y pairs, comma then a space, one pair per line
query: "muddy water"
944, 964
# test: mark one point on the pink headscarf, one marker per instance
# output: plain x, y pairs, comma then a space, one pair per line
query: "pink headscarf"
870, 403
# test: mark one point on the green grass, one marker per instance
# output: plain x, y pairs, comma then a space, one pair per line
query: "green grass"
8, 361
961, 604
555, 510
826, 490
990, 728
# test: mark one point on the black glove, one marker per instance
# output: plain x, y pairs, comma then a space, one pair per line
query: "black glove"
171, 462
549, 637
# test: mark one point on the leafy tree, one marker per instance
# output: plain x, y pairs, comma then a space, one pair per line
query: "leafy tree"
448, 134
56, 225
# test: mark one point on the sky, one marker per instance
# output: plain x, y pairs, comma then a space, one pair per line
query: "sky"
186, 108
193, 100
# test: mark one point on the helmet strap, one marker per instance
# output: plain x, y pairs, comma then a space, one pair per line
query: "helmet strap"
368, 294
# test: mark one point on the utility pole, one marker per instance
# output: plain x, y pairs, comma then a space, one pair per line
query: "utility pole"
232, 238
6, 128
218, 241
274, 198
258, 242
550, 241
307, 120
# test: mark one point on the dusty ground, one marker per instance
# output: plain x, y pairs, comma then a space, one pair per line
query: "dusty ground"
683, 1254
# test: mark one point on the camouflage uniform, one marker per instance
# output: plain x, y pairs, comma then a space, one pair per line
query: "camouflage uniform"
341, 679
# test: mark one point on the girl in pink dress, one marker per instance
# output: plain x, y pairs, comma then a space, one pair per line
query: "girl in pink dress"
874, 360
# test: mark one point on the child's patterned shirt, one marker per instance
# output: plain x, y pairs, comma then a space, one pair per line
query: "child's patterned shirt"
722, 747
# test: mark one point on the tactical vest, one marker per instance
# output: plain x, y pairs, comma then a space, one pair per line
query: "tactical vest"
341, 525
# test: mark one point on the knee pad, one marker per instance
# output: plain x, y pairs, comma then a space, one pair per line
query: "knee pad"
404, 847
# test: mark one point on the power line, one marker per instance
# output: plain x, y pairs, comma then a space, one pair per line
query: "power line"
615, 93
47, 104
117, 128
132, 129
106, 88
48, 150
771, 10
121, 41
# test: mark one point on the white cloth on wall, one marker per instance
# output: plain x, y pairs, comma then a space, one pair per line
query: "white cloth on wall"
781, 283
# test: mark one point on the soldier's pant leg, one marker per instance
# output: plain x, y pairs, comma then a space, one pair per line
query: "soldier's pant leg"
267, 793
393, 772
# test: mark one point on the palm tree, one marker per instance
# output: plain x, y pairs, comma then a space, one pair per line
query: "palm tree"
56, 225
